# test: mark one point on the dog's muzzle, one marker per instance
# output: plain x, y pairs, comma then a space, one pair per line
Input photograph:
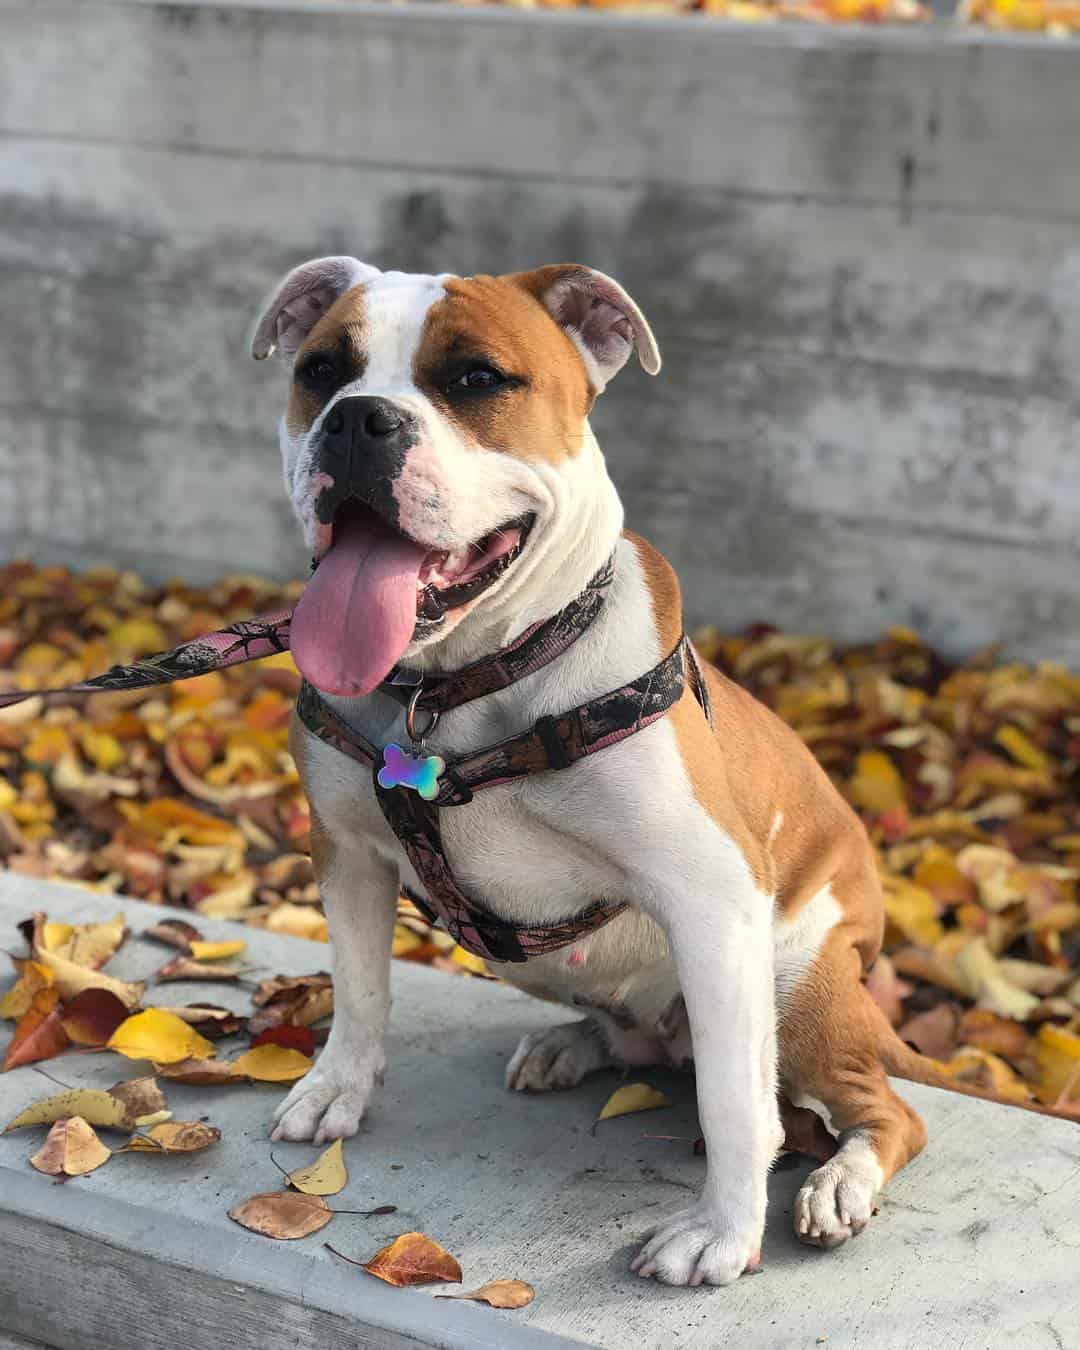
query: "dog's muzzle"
362, 449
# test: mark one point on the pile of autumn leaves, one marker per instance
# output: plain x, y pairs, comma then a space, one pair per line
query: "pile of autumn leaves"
1057, 18
968, 778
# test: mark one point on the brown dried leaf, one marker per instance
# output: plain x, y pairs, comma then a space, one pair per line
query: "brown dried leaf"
198, 1072
283, 1214
140, 1097
185, 968
174, 933
499, 1294
209, 1020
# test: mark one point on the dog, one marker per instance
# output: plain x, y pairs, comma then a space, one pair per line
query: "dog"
470, 502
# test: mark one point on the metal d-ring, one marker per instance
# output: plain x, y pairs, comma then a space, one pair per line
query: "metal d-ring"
418, 738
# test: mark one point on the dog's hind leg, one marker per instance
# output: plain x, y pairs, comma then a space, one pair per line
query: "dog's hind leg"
832, 1037
558, 1057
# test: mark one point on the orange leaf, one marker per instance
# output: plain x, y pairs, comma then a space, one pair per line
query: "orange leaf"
71, 1149
39, 1033
412, 1258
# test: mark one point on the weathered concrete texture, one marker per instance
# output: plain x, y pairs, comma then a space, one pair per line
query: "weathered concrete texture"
975, 1246
858, 248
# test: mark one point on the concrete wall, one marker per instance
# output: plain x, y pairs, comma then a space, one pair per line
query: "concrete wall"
860, 251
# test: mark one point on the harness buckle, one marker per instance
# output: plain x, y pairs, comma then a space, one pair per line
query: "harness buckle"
419, 737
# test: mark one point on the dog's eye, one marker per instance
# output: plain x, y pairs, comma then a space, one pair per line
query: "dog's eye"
319, 371
479, 378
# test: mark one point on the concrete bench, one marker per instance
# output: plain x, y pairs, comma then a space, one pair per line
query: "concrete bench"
977, 1244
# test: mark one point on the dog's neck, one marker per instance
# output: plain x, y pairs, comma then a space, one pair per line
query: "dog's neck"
576, 544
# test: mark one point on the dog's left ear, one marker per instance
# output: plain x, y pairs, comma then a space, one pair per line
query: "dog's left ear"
597, 315
301, 299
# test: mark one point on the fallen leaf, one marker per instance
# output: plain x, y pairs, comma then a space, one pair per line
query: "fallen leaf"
804, 1132
1057, 1052
325, 1176
290, 1037
33, 977
174, 933
39, 1033
175, 1136
92, 1104
217, 951
199, 1072
71, 1149
84, 944
280, 986
412, 1258
159, 1036
71, 980
209, 1019
141, 1097
92, 1016
632, 1097
283, 1214
932, 1032
499, 1294
990, 1031
270, 1064
186, 968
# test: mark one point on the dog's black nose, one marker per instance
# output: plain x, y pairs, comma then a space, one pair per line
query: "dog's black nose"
365, 443
363, 418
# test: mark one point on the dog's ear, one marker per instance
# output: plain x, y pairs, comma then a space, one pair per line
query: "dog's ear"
300, 301
597, 315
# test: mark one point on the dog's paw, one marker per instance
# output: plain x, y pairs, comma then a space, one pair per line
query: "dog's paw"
325, 1105
697, 1246
559, 1057
837, 1201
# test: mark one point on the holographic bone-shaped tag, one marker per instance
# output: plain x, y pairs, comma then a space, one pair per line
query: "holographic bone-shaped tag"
400, 769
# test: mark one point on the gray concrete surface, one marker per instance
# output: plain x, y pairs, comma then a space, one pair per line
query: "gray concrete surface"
859, 249
975, 1245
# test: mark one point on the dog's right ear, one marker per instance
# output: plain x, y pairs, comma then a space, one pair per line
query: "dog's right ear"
301, 300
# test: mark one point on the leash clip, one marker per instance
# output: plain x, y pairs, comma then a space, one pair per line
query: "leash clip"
419, 737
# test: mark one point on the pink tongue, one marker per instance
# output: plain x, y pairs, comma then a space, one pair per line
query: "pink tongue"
358, 611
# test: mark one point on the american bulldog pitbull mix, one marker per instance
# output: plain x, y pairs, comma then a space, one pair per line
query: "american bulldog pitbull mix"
439, 458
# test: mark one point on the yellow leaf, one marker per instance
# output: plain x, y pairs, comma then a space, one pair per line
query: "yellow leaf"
1013, 740
32, 977
473, 964
160, 1036
976, 966
404, 940
270, 1064
92, 1104
71, 979
325, 1176
71, 1150
633, 1097
913, 910
1057, 1053
217, 951
176, 1136
300, 921
84, 944
876, 786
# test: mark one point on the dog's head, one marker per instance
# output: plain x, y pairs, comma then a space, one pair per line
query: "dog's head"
436, 443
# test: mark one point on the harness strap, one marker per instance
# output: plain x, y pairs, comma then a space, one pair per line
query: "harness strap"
553, 743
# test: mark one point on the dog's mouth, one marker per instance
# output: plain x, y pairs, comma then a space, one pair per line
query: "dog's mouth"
374, 587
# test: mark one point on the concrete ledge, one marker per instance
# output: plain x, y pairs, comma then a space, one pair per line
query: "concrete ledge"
975, 1245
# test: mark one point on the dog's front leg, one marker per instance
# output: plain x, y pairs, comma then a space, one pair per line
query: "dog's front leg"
359, 890
722, 946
